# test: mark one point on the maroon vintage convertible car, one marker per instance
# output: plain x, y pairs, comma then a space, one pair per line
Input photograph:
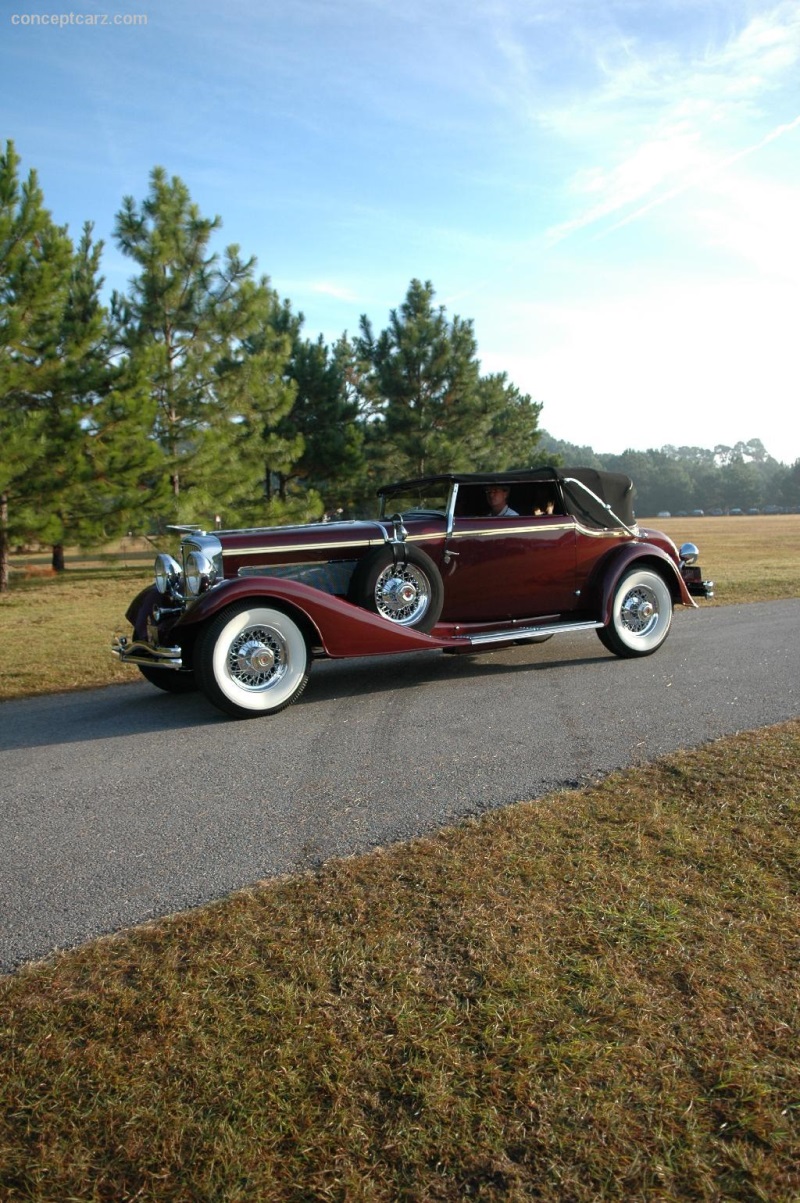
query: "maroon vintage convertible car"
245, 611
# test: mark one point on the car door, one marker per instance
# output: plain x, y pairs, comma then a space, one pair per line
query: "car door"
509, 568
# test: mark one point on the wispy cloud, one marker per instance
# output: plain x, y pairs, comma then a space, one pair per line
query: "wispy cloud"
632, 182
326, 288
658, 127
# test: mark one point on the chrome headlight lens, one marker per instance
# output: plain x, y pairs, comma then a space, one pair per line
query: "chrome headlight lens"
200, 572
202, 563
689, 553
168, 576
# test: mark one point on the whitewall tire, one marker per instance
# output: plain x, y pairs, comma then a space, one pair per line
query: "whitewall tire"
641, 614
252, 660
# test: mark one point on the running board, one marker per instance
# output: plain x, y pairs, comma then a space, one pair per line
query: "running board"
520, 634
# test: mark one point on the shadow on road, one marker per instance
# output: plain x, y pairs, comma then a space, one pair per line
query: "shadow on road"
141, 709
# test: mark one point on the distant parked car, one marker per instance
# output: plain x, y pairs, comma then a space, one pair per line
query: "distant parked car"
664, 514
244, 612
697, 513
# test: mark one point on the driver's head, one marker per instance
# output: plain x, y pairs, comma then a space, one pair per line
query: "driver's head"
497, 497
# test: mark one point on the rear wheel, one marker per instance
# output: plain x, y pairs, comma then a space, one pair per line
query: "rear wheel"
641, 615
252, 660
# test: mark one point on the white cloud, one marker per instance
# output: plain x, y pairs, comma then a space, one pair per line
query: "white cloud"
658, 120
338, 292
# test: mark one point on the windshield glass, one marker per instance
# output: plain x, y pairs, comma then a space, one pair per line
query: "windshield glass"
416, 501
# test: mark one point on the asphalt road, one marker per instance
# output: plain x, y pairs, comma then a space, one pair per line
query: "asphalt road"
122, 804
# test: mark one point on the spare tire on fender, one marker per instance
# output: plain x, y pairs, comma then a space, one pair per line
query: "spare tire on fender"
408, 592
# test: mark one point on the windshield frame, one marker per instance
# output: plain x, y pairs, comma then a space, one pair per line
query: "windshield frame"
392, 499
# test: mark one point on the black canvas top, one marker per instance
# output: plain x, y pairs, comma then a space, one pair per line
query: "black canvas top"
613, 489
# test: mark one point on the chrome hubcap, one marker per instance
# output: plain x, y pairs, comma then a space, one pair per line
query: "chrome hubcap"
254, 657
257, 658
639, 611
397, 592
401, 594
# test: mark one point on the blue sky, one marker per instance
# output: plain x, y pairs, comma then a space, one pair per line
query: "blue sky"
610, 191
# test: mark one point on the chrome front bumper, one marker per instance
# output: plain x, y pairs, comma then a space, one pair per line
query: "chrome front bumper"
132, 651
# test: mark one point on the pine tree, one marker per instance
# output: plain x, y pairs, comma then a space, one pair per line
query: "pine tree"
427, 408
259, 441
514, 435
76, 502
182, 323
124, 467
39, 424
325, 414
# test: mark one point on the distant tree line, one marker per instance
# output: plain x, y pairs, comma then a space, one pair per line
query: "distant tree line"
682, 479
195, 393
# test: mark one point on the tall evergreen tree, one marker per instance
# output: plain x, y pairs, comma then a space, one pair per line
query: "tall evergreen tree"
182, 323
325, 414
513, 418
426, 405
790, 486
77, 500
124, 466
40, 346
260, 442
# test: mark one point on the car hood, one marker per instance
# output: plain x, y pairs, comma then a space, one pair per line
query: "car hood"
338, 537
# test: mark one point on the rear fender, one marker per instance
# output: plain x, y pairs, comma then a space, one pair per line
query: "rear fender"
635, 555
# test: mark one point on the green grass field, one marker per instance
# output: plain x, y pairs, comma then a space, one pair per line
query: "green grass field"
594, 996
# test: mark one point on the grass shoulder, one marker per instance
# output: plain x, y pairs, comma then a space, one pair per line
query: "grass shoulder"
588, 996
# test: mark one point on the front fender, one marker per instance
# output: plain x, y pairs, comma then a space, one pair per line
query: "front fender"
338, 626
639, 555
140, 610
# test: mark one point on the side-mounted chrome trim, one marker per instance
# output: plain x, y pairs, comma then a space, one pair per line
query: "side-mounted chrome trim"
511, 531
293, 548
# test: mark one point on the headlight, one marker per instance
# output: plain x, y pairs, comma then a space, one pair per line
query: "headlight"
168, 576
689, 553
200, 572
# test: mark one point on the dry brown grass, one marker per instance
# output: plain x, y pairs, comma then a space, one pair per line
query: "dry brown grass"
750, 557
590, 997
26, 571
55, 634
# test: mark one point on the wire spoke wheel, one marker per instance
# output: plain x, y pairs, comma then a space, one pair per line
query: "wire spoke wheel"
402, 594
252, 660
406, 589
641, 615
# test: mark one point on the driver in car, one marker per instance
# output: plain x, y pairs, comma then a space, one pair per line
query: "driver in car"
497, 500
